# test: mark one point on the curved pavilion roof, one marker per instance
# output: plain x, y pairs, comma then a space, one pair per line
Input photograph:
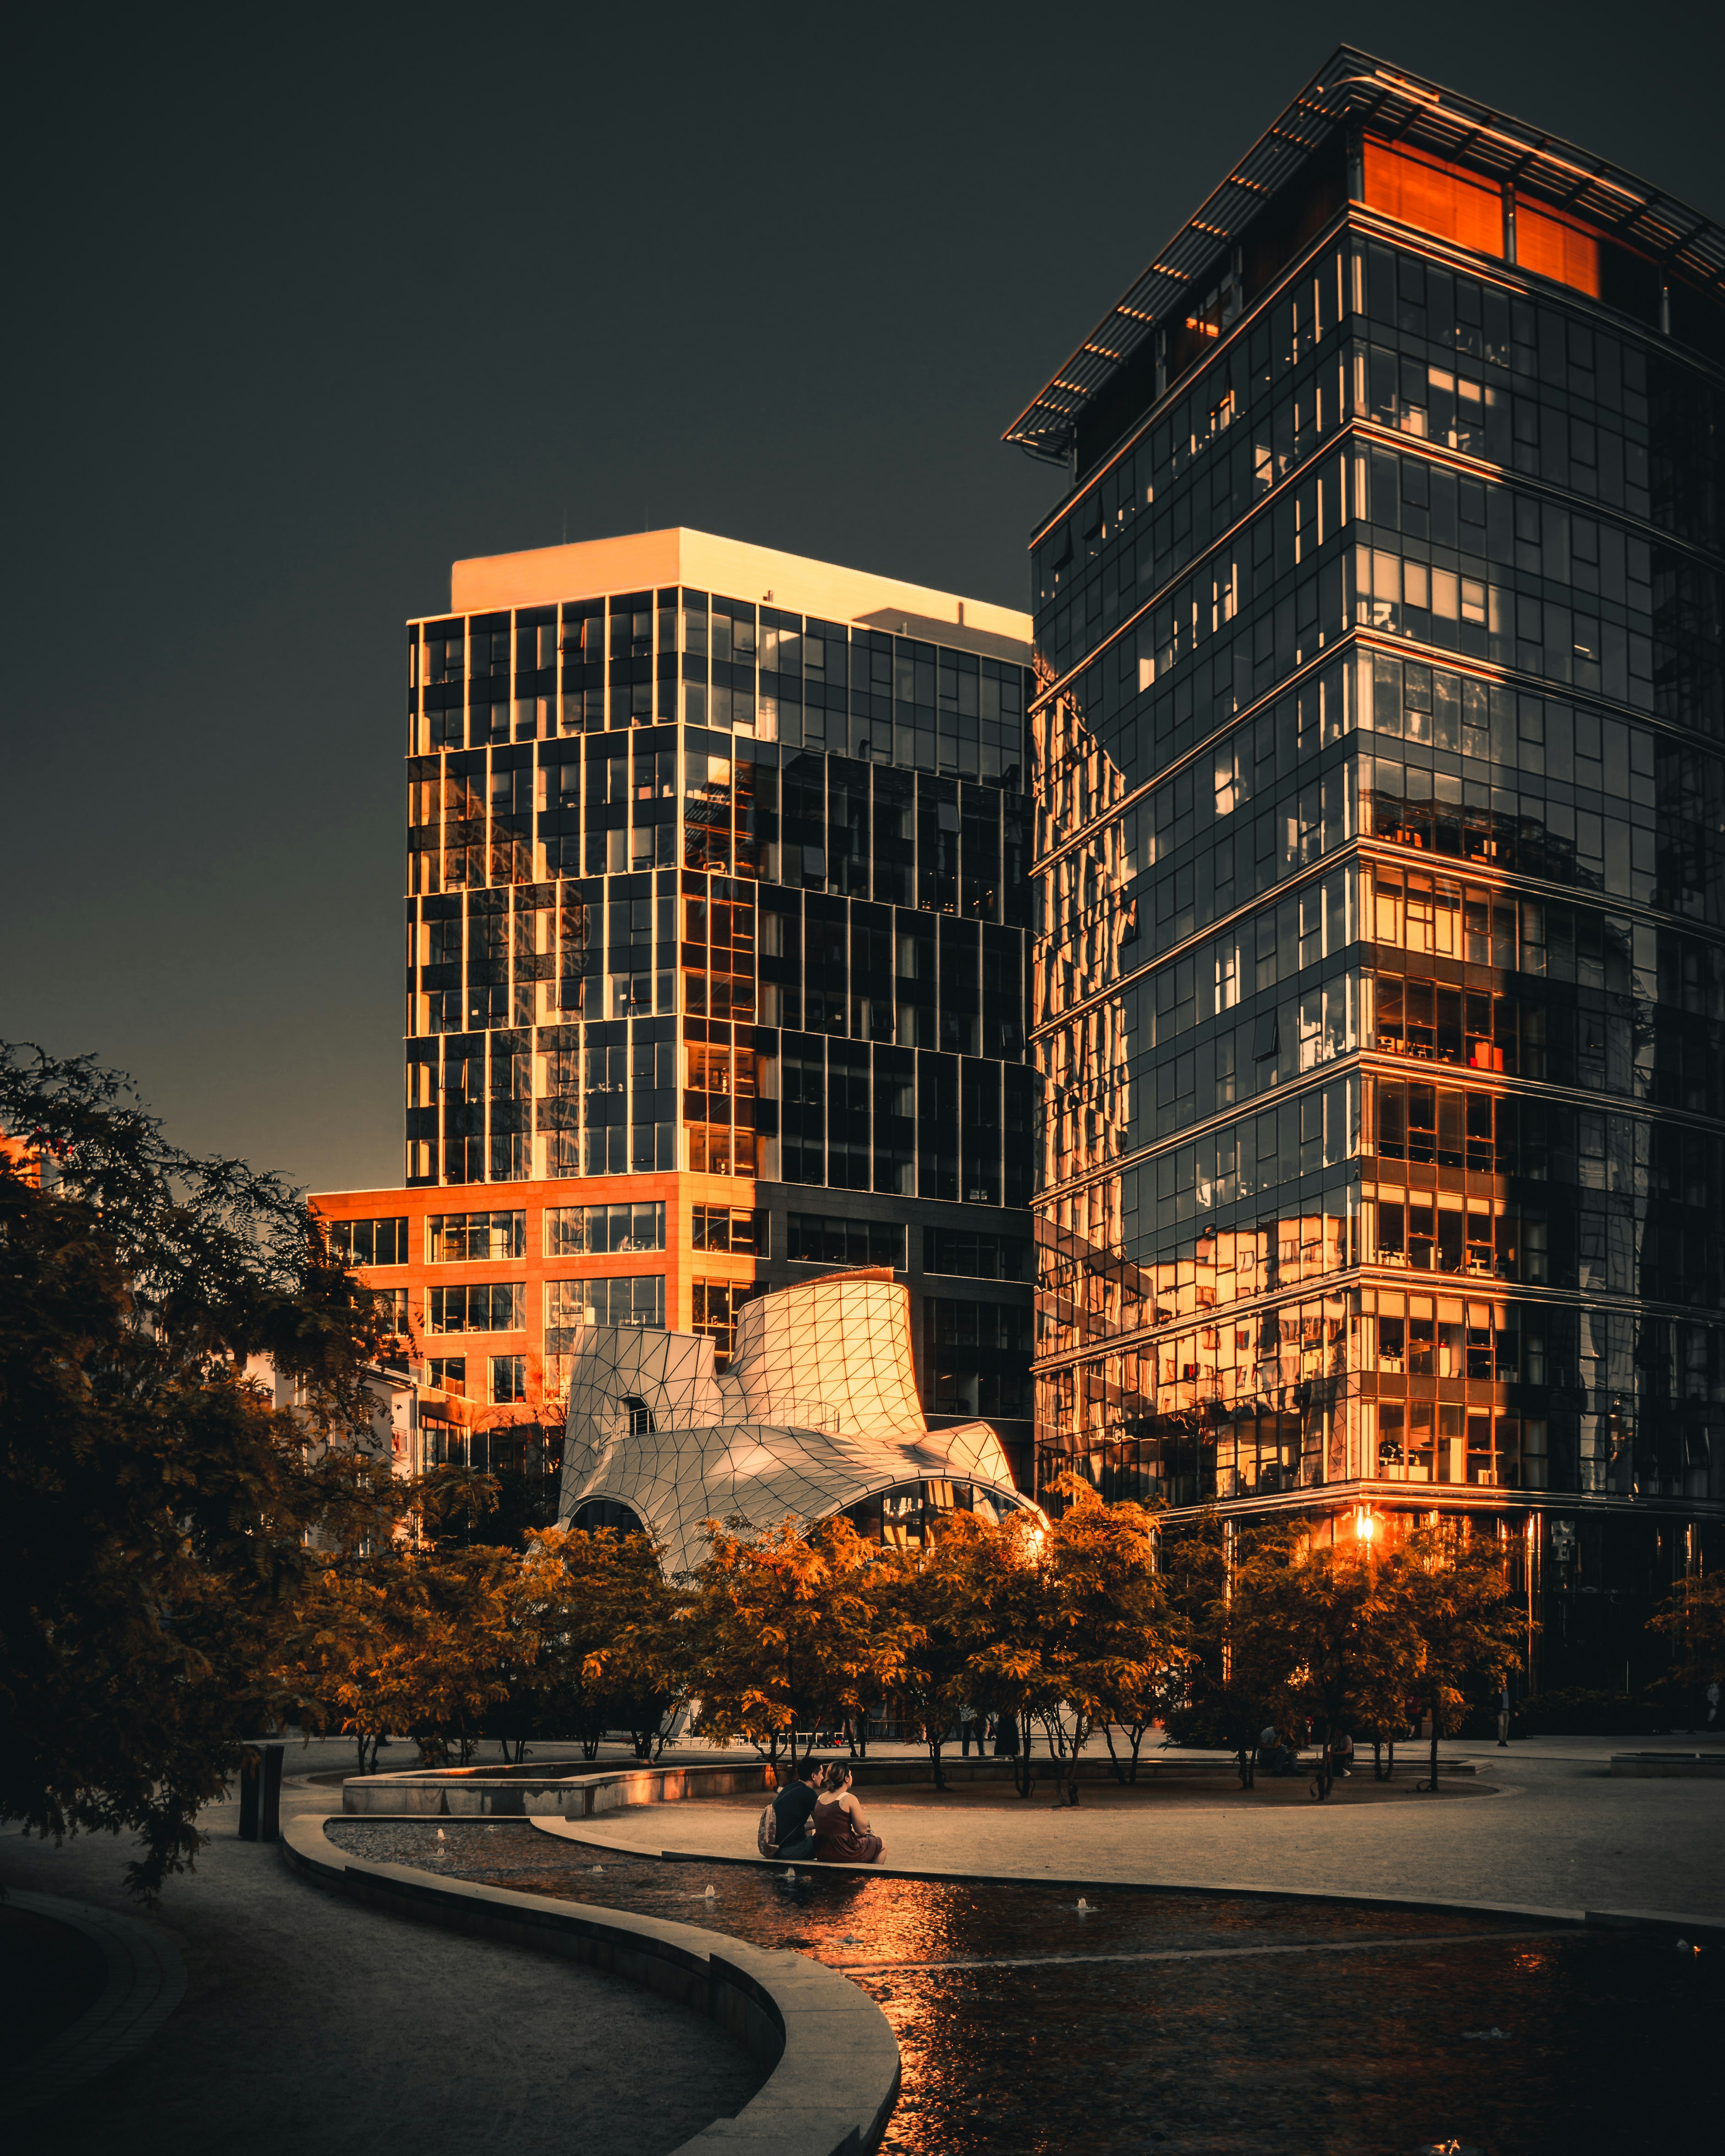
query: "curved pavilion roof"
817, 1411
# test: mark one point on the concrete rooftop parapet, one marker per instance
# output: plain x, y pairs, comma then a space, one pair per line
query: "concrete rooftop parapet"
834, 2059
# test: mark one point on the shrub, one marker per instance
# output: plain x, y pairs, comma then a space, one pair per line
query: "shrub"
1575, 1711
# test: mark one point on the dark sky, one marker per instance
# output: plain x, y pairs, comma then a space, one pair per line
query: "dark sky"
305, 305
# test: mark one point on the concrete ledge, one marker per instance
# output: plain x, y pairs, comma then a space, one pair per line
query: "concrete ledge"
835, 2061
1668, 1923
515, 1793
1669, 1766
470, 1793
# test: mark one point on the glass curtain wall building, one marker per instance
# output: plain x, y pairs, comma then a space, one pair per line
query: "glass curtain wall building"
717, 913
1379, 978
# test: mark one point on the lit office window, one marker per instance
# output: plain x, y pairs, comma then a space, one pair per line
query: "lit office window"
369, 1242
477, 1307
581, 1231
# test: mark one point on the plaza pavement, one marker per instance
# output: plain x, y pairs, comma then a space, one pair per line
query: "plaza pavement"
1561, 1832
312, 2022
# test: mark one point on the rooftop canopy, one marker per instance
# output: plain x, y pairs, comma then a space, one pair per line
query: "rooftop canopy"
1354, 89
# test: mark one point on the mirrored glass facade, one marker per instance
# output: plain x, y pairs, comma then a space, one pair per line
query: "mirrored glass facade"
717, 911
1378, 983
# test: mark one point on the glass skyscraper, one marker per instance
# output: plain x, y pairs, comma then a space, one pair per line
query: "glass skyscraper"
717, 876
1379, 978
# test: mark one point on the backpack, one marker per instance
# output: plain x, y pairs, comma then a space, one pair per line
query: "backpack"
767, 1834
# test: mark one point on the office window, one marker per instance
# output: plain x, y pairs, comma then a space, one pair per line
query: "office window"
716, 1303
482, 1306
729, 1227
975, 1257
509, 1379
624, 1299
581, 1231
459, 1238
976, 1357
824, 1240
369, 1242
391, 1305
448, 1372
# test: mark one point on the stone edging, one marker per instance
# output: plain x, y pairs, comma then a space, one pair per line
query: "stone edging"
1708, 1930
436, 1792
835, 2071
471, 1793
146, 1981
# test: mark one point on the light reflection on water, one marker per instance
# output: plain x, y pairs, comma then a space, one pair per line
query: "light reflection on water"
1357, 2053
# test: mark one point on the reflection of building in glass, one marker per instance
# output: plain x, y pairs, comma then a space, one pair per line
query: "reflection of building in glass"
717, 906
817, 1413
1379, 981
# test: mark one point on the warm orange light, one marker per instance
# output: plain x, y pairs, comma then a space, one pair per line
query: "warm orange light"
1365, 1526
1437, 196
1557, 247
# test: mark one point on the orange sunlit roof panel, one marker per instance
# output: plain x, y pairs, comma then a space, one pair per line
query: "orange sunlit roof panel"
1557, 248
1438, 197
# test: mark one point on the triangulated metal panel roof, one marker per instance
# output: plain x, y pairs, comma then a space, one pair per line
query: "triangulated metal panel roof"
817, 1411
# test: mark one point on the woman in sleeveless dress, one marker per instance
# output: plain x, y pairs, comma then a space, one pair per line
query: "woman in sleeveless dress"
840, 1824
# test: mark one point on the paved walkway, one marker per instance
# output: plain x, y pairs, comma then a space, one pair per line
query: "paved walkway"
1561, 1833
311, 2023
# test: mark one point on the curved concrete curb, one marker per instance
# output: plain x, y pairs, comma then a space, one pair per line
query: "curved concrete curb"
1699, 1930
835, 2075
146, 1981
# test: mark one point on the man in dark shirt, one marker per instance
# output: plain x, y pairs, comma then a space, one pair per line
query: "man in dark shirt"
792, 1809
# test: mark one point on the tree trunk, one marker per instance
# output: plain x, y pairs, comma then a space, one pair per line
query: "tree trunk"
932, 1737
1432, 1784
1080, 1736
1024, 1776
1326, 1779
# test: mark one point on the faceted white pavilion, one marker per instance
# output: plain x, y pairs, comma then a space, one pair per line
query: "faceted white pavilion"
817, 1413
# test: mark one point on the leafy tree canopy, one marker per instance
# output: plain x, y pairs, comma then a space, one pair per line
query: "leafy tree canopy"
157, 1509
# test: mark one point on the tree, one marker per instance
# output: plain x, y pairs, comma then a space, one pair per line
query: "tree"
1222, 1581
1109, 1639
924, 1616
156, 1510
613, 1650
782, 1632
1695, 1617
991, 1605
1465, 1618
415, 1631
1346, 1617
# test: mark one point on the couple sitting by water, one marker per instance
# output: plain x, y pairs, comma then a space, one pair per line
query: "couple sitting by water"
818, 1819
